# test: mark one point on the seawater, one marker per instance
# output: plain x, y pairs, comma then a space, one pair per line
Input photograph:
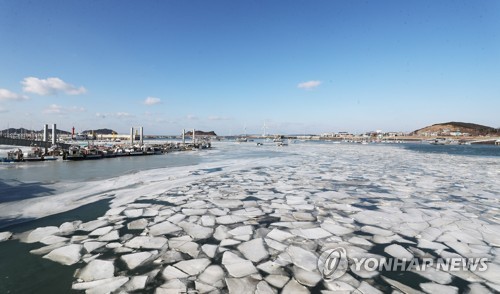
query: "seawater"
22, 272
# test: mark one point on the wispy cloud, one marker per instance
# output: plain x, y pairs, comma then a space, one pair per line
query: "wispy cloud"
215, 117
309, 85
50, 86
152, 101
8, 95
119, 115
191, 117
58, 109
123, 115
3, 110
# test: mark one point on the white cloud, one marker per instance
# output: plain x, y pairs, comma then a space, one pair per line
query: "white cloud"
191, 117
8, 95
152, 101
215, 117
309, 85
58, 109
50, 86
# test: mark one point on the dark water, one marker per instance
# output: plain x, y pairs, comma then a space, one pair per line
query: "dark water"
468, 150
23, 272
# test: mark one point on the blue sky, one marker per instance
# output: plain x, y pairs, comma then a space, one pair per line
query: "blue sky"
298, 66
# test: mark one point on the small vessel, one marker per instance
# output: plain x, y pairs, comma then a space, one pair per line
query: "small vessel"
15, 155
92, 153
241, 140
74, 153
259, 144
147, 150
34, 155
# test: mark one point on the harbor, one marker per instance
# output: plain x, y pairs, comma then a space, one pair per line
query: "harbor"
45, 149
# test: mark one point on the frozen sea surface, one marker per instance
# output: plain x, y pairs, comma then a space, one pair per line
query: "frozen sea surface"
248, 218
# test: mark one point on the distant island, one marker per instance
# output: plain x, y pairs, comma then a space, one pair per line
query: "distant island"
201, 133
100, 132
458, 129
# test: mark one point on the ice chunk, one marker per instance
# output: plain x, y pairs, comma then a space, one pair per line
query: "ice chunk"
147, 242
398, 251
137, 224
171, 272
313, 233
242, 230
101, 286
279, 235
207, 220
212, 274
196, 231
277, 281
293, 287
111, 236
264, 288
134, 260
335, 229
436, 288
209, 250
40, 233
133, 213
302, 258
92, 225
101, 231
53, 240
237, 266
253, 250
66, 255
245, 285
307, 278
136, 283
364, 287
92, 245
230, 219
203, 288
163, 228
96, 270
193, 266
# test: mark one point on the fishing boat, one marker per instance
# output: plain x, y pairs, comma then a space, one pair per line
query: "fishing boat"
15, 155
92, 153
74, 153
35, 154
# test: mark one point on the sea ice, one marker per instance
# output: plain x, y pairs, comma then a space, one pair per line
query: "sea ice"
147, 242
437, 288
139, 224
92, 245
253, 250
237, 266
171, 272
302, 258
40, 233
66, 255
212, 274
398, 251
230, 219
293, 287
196, 231
96, 270
279, 235
277, 281
134, 260
101, 231
312, 234
193, 266
163, 228
245, 285
209, 250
